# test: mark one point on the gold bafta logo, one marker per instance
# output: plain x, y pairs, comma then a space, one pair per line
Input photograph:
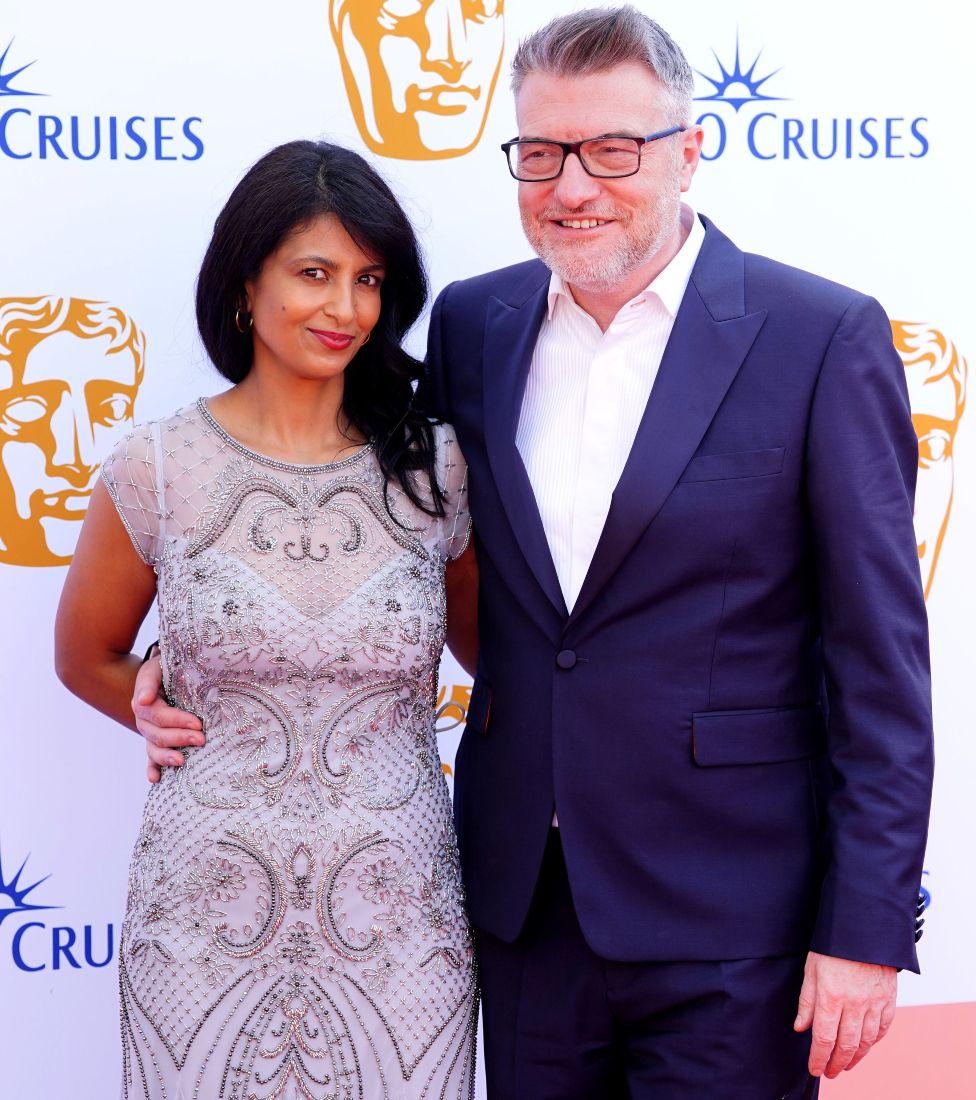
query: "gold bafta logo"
419, 74
936, 375
452, 711
69, 373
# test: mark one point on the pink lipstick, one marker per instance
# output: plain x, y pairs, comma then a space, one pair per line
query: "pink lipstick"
335, 341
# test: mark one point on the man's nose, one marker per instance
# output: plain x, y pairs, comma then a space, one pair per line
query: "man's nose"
575, 186
74, 455
447, 52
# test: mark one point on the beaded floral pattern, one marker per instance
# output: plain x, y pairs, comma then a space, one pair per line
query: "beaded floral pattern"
295, 924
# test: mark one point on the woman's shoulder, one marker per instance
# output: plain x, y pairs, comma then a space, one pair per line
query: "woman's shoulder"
148, 441
445, 438
449, 464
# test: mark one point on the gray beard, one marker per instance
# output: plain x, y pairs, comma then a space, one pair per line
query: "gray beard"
604, 271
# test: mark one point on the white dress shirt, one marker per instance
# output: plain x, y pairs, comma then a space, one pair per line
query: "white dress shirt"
584, 400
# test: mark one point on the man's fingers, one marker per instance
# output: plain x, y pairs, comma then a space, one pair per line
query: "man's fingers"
848, 1041
164, 758
806, 1003
161, 713
149, 680
870, 1033
825, 1024
887, 1018
169, 738
165, 729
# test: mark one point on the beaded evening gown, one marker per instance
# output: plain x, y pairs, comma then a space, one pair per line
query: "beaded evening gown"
295, 924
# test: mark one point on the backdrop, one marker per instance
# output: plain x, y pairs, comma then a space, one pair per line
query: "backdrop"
838, 139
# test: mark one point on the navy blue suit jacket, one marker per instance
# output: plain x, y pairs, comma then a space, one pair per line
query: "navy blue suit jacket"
734, 723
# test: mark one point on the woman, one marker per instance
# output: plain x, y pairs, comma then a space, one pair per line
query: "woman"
295, 923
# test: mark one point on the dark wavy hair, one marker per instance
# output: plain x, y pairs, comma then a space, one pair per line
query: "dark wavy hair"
282, 193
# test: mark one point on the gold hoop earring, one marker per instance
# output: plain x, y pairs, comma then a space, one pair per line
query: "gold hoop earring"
237, 321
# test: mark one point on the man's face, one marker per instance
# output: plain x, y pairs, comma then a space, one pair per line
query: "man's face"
59, 414
419, 73
640, 212
937, 400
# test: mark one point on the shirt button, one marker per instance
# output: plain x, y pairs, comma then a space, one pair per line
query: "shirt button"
566, 658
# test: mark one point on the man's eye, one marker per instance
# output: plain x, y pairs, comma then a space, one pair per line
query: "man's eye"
25, 410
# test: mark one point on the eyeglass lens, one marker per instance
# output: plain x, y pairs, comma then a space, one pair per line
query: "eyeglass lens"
531, 160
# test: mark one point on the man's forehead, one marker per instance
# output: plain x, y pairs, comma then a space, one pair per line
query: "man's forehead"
70, 358
627, 98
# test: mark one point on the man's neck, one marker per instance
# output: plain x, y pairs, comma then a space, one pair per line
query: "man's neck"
603, 303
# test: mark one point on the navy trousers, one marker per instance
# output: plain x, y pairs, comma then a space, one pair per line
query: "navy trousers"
561, 1023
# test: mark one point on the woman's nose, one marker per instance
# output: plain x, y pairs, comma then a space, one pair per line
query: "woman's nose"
339, 305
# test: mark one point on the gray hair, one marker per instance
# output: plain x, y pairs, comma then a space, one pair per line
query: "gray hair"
597, 39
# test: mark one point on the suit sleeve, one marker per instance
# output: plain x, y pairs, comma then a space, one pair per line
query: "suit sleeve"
432, 395
862, 457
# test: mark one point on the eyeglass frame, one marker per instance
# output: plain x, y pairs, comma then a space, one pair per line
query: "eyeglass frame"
574, 147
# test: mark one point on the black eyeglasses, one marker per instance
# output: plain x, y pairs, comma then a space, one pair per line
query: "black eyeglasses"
607, 157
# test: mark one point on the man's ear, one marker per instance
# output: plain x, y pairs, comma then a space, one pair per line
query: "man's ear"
691, 146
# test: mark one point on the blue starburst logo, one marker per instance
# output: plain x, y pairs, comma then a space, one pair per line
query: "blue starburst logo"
13, 896
7, 79
737, 86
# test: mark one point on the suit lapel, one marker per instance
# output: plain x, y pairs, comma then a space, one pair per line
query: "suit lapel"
511, 331
711, 337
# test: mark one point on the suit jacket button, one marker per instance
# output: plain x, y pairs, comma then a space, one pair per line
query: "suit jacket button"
566, 658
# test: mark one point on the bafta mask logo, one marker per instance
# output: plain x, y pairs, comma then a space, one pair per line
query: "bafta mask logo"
936, 375
69, 373
419, 73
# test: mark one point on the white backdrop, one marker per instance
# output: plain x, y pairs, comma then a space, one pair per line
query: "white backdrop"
213, 86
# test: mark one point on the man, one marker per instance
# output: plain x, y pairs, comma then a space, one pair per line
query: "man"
691, 476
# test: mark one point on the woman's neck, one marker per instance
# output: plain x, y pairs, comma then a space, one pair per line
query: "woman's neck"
292, 419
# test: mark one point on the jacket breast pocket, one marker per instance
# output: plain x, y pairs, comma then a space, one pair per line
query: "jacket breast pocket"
734, 464
768, 735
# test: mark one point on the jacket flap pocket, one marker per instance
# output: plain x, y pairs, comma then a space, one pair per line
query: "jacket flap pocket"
718, 467
479, 709
765, 736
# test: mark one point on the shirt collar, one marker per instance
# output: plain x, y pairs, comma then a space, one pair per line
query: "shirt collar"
669, 284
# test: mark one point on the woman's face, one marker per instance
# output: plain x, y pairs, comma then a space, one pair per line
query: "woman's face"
314, 302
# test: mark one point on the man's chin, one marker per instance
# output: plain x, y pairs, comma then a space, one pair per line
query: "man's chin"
589, 269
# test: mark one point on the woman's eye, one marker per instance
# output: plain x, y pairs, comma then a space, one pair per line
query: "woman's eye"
314, 273
371, 280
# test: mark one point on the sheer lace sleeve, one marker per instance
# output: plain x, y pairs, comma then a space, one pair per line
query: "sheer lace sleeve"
452, 472
132, 474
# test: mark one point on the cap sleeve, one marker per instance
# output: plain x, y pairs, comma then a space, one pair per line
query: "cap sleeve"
452, 470
131, 474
